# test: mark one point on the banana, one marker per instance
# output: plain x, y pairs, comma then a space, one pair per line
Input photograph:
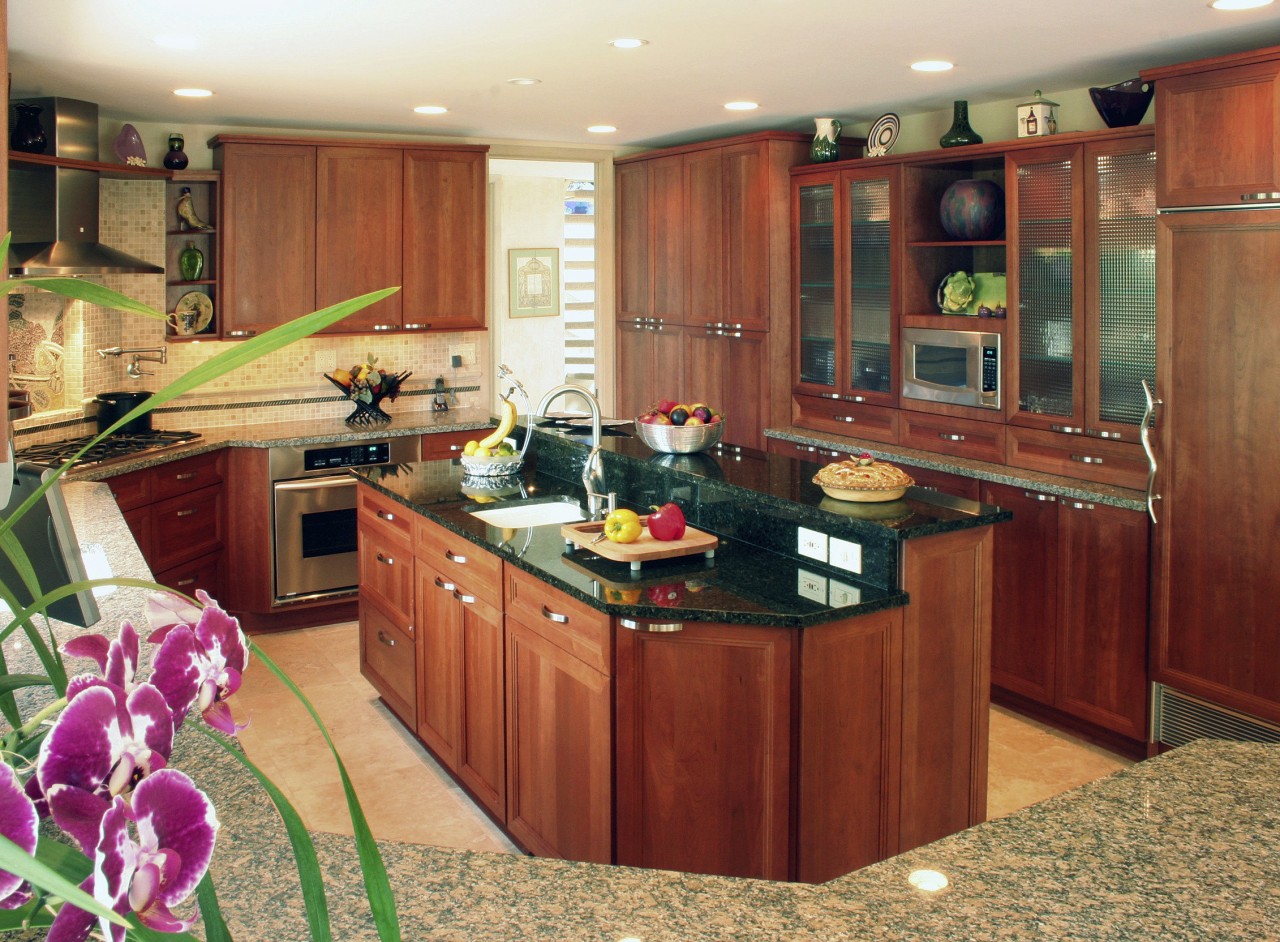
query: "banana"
505, 425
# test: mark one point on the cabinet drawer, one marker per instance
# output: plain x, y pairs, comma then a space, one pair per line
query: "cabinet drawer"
386, 567
131, 490
567, 623
388, 659
377, 510
459, 561
185, 527
203, 573
964, 438
186, 475
855, 419
449, 444
943, 482
1078, 456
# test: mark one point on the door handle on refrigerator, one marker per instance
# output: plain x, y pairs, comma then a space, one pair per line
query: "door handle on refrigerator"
1148, 422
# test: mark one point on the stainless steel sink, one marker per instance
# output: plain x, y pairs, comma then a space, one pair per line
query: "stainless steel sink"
519, 514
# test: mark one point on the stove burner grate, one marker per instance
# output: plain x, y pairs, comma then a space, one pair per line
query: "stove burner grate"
112, 448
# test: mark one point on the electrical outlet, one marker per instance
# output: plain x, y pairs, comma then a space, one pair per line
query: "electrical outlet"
465, 352
842, 595
812, 586
326, 361
811, 543
846, 555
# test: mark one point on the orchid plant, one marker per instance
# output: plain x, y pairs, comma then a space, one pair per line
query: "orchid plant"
138, 835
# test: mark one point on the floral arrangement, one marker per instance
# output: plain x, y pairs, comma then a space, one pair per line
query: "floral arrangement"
367, 385
94, 759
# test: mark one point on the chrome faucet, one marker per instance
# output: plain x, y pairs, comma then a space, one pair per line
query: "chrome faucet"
135, 369
593, 469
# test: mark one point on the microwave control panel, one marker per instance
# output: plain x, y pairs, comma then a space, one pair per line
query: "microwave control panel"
990, 369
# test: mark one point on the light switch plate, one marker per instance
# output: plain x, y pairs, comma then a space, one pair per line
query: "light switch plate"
846, 555
811, 543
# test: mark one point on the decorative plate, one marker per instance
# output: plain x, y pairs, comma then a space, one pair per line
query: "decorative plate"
883, 135
955, 293
198, 302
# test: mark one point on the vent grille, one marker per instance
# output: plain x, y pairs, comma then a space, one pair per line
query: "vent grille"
1180, 718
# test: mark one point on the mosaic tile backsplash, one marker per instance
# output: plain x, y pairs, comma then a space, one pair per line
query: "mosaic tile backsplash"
285, 385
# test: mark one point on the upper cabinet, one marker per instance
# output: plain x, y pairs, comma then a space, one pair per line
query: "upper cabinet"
310, 223
1218, 123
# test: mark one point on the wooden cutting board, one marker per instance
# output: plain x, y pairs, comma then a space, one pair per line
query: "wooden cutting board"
642, 549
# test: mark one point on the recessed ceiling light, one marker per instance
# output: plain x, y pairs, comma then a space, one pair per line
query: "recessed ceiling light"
602, 129
741, 105
431, 109
1239, 4
628, 43
933, 65
524, 81
192, 92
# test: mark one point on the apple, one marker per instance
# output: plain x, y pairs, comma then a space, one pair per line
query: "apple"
655, 418
666, 522
666, 405
693, 420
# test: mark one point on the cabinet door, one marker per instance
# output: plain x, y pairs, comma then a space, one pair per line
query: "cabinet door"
650, 366
186, 526
751, 219
705, 213
725, 370
1196, 112
387, 657
559, 748
635, 271
704, 749
1102, 635
669, 235
815, 285
1024, 623
357, 232
268, 221
871, 290
439, 631
482, 745
443, 260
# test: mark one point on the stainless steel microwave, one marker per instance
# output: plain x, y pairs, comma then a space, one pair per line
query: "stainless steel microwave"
961, 367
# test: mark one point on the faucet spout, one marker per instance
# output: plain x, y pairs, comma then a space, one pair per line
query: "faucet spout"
593, 468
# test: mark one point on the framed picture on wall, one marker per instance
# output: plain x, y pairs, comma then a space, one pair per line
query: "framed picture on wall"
535, 282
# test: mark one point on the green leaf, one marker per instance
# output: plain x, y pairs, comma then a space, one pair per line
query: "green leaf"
54, 870
304, 850
17, 681
382, 903
215, 927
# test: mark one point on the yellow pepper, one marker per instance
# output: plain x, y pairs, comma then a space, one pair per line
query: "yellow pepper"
623, 526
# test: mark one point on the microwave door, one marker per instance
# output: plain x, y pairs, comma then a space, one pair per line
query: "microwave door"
940, 373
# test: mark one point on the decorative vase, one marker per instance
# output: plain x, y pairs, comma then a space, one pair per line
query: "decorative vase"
191, 262
824, 147
28, 135
972, 210
1123, 105
176, 158
960, 132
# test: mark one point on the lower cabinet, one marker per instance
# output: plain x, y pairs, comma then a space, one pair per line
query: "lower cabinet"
559, 722
1069, 627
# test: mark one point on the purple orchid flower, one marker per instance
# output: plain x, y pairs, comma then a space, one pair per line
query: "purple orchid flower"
117, 660
18, 822
177, 828
201, 665
103, 744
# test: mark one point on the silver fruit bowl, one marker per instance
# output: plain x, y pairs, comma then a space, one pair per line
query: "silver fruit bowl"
680, 439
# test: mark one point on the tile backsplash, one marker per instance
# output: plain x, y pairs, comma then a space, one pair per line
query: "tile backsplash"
284, 385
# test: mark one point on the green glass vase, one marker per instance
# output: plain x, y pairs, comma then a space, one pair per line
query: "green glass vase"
191, 263
960, 132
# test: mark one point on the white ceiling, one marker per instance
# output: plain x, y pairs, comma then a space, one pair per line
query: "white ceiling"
362, 66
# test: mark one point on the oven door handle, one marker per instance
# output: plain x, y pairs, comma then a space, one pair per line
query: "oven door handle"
312, 484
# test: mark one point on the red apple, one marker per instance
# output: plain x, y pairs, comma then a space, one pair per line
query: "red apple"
666, 405
666, 522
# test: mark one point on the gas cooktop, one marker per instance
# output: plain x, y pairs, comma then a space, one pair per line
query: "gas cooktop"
115, 447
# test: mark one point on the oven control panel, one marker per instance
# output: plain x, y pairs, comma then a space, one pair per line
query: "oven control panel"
346, 456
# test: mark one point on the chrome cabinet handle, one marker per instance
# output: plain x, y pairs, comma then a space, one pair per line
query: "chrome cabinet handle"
447, 586
654, 627
554, 616
844, 418
182, 582
1098, 433
949, 437
389, 642
463, 597
383, 515
1034, 495
425, 325
185, 477
1068, 429
1078, 504
1148, 423
185, 513
1255, 197
239, 333
386, 560
1087, 459
386, 327
455, 558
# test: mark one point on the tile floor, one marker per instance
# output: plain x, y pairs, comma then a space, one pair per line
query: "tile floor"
392, 772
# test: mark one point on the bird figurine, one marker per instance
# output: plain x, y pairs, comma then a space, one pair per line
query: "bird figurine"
187, 217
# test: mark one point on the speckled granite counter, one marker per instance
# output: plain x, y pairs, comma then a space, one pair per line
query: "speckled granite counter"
1184, 846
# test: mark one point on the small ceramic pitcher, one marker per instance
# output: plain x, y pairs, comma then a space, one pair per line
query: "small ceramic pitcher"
183, 323
824, 146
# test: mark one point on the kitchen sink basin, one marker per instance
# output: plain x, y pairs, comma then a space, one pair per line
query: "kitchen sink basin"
525, 514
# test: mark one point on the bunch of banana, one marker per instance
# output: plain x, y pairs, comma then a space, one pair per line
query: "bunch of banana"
486, 446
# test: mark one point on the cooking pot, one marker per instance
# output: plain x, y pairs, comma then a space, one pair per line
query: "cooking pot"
114, 405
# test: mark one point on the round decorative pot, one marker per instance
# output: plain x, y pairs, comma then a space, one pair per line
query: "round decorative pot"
824, 147
972, 210
176, 158
28, 135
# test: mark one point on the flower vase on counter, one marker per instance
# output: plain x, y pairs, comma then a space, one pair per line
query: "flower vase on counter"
960, 132
825, 147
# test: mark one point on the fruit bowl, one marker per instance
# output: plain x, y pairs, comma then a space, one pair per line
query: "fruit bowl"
679, 439
492, 466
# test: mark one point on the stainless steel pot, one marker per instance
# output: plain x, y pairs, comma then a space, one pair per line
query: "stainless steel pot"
114, 405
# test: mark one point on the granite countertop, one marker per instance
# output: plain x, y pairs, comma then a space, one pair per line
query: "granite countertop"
1183, 846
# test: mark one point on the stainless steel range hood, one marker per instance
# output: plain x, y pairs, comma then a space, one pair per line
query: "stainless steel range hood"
53, 211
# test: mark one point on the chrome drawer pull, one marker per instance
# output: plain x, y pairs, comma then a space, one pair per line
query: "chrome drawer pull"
455, 447
239, 333
653, 627
857, 398
1068, 429
383, 515
389, 642
455, 558
463, 597
843, 418
426, 325
948, 437
1086, 459
182, 582
554, 616
447, 586
386, 327
1080, 505
1254, 197
184, 477
1047, 498
184, 513
1097, 433
386, 560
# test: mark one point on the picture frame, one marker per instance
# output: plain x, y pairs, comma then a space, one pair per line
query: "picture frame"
534, 282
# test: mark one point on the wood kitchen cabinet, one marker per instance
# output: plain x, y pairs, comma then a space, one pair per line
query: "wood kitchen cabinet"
649, 366
559, 722
1069, 628
310, 223
729, 364
204, 186
387, 634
